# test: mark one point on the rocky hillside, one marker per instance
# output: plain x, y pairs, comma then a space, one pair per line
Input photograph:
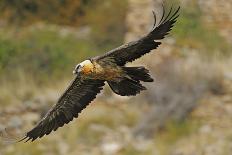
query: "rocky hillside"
186, 111
206, 132
217, 13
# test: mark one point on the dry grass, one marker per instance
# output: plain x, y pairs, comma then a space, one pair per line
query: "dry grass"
180, 85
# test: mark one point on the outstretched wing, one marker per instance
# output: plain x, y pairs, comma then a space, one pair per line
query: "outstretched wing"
133, 50
78, 95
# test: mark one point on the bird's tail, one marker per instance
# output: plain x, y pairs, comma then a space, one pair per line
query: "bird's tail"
130, 84
138, 73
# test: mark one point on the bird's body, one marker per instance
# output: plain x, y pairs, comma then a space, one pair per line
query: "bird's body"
93, 69
92, 74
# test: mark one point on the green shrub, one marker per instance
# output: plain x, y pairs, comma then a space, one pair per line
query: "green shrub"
191, 32
43, 52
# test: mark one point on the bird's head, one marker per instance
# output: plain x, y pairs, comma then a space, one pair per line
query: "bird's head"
83, 67
77, 69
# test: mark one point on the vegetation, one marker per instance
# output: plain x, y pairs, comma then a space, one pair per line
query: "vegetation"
191, 32
44, 53
41, 42
42, 49
61, 12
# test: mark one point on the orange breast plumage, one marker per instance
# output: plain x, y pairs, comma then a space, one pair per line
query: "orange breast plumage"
87, 67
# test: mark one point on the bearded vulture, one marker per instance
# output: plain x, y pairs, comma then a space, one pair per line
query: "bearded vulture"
91, 75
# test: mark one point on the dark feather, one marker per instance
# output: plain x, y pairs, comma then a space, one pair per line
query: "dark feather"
134, 50
126, 87
78, 95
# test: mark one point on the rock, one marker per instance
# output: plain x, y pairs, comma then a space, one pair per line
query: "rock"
205, 129
15, 122
228, 75
216, 13
31, 117
2, 127
63, 147
110, 148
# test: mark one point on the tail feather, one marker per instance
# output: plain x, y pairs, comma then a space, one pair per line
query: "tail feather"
130, 84
126, 87
138, 74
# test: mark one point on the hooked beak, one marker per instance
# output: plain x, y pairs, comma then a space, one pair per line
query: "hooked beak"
77, 69
74, 72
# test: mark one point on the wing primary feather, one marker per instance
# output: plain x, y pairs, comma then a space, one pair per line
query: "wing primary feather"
25, 137
167, 17
28, 138
68, 107
135, 49
163, 14
176, 15
154, 14
50, 126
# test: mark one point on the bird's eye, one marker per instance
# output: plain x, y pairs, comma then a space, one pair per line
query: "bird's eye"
78, 67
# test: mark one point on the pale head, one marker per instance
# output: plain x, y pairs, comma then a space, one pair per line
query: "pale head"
84, 66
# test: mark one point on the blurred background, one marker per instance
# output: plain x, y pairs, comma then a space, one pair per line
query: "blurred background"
186, 111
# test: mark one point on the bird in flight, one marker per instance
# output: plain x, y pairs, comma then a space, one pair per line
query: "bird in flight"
92, 74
